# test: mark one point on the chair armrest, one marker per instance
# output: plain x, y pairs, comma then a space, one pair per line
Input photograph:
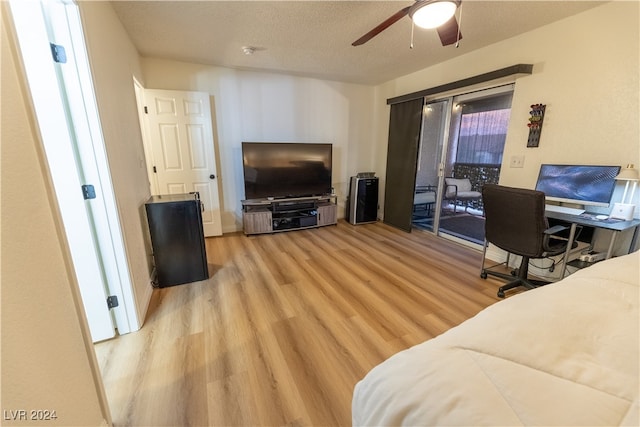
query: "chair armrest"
559, 243
550, 235
455, 190
555, 229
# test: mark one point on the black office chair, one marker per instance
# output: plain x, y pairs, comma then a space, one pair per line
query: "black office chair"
515, 222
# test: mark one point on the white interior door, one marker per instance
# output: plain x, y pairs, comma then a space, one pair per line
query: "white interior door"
64, 165
180, 140
76, 86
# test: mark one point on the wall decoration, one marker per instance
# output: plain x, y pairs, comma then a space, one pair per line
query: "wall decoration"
535, 124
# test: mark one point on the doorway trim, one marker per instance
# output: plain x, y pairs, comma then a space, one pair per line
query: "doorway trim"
61, 123
179, 145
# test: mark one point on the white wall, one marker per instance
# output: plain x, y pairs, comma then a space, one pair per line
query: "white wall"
114, 64
256, 106
47, 355
586, 70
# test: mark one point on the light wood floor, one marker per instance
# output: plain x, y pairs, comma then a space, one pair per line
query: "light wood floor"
287, 324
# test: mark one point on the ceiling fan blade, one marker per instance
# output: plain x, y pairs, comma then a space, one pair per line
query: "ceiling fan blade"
448, 32
383, 26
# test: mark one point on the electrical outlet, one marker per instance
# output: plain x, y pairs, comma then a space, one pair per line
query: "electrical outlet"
516, 162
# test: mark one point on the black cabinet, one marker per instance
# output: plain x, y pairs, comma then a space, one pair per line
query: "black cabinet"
177, 238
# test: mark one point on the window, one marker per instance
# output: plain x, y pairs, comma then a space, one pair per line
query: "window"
483, 130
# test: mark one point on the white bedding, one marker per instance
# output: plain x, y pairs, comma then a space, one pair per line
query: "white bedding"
563, 354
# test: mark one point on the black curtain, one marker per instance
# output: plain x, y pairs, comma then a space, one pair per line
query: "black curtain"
402, 157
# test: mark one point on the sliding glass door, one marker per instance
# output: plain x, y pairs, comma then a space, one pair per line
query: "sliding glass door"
435, 125
461, 148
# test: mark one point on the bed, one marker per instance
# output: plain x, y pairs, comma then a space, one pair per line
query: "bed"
563, 354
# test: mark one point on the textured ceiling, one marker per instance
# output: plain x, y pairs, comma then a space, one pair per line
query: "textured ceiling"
313, 38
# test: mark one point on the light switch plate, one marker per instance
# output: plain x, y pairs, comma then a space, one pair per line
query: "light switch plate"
516, 162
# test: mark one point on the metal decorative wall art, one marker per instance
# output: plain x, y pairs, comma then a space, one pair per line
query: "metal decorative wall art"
535, 124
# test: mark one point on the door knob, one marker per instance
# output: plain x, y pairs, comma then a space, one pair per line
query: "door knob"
212, 176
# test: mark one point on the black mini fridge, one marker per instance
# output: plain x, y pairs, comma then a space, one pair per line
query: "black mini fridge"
177, 239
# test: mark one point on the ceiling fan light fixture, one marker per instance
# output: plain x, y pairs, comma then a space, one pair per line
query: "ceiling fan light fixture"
432, 13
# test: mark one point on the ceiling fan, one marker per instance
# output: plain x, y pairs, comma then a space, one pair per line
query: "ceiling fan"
438, 14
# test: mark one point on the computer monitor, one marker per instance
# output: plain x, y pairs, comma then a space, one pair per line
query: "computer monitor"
578, 184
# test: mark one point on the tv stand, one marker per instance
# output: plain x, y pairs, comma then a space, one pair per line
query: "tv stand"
270, 216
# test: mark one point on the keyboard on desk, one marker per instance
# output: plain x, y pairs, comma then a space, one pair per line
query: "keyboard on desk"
564, 210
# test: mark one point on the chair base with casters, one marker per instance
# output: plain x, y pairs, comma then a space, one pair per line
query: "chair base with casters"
518, 277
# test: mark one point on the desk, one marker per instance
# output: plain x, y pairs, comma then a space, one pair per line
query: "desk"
589, 220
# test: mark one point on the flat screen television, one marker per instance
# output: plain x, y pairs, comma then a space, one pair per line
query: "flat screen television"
285, 169
578, 184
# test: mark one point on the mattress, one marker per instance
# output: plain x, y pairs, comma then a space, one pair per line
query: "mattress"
563, 354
